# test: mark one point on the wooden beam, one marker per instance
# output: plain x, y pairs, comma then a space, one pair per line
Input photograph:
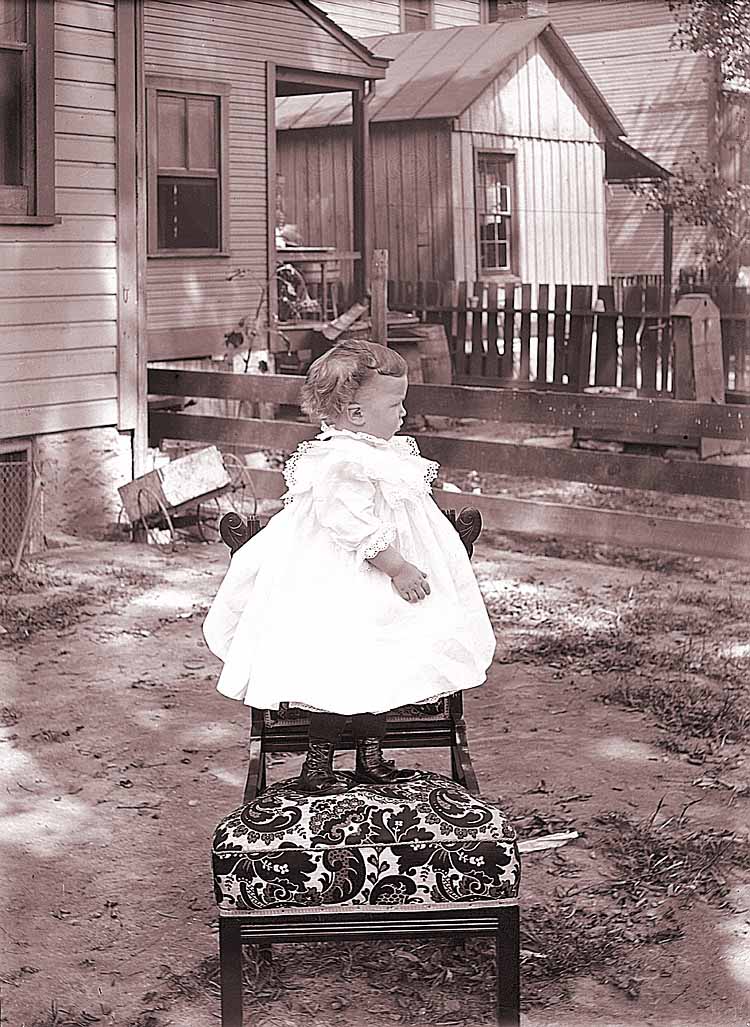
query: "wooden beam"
127, 219
631, 472
605, 527
361, 189
254, 434
271, 259
589, 413
677, 477
379, 297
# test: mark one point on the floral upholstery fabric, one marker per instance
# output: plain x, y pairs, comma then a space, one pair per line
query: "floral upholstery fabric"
424, 841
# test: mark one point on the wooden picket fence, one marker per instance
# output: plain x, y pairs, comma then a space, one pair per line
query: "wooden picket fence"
567, 336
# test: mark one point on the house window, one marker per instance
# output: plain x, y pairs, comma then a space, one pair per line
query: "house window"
187, 167
494, 211
27, 186
416, 15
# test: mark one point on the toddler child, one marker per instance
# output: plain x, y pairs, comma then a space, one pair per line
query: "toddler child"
357, 597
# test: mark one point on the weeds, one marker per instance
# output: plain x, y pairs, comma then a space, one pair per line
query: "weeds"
57, 1017
670, 861
39, 597
685, 710
432, 982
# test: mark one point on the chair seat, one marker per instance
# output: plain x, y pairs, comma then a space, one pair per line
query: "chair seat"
427, 841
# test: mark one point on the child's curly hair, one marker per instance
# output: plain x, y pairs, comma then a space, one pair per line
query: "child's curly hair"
335, 378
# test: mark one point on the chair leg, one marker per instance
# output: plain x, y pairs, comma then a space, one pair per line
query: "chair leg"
508, 956
230, 965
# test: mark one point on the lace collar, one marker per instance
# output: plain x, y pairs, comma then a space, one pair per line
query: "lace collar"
328, 431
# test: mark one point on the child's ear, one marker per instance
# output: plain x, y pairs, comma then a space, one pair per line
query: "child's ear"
354, 413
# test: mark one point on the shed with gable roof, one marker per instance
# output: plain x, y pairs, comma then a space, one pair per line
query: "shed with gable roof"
490, 149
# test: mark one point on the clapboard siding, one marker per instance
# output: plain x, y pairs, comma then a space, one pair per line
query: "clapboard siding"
62, 283
36, 392
58, 283
635, 236
31, 256
217, 41
57, 417
377, 16
663, 97
31, 312
18, 341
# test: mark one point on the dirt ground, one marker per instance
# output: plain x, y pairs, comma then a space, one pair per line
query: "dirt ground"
617, 707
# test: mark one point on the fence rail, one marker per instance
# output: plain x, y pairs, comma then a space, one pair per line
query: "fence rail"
562, 335
549, 408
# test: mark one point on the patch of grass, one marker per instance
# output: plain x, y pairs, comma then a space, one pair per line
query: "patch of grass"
22, 622
589, 552
442, 981
670, 861
57, 1017
31, 578
39, 598
685, 710
9, 716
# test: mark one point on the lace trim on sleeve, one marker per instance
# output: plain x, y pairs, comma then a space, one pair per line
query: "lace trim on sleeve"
431, 471
290, 469
381, 541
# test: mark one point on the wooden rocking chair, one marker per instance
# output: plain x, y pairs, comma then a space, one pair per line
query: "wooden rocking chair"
420, 858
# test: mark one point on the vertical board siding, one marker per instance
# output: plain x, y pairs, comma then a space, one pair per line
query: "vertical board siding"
663, 97
532, 97
374, 17
533, 111
410, 194
58, 283
560, 214
227, 43
423, 199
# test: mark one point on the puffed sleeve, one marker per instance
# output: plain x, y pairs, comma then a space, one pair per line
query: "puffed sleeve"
344, 505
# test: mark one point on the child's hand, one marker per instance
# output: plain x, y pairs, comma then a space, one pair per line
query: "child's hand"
411, 583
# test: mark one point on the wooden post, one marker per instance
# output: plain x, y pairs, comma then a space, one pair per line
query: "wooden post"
698, 359
361, 190
379, 297
667, 259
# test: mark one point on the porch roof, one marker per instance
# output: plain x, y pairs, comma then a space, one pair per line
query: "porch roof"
623, 163
439, 73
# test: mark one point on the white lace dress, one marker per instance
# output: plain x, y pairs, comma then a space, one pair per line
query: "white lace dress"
302, 617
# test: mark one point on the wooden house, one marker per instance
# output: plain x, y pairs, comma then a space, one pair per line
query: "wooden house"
136, 151
490, 146
673, 103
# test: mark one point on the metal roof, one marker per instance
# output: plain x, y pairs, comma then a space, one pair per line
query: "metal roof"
439, 73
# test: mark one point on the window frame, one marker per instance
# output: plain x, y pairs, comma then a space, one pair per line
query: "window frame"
429, 15
156, 84
509, 159
38, 121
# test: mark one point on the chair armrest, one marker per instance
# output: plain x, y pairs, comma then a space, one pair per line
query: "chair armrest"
256, 760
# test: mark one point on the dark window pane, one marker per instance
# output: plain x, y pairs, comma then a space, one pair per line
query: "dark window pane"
416, 15
11, 162
188, 214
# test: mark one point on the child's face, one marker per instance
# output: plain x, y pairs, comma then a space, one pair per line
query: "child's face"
378, 407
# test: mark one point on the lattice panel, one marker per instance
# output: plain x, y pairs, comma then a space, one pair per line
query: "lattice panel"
16, 476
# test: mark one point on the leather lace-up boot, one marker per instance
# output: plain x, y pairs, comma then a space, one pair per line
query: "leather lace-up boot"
317, 776
372, 769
